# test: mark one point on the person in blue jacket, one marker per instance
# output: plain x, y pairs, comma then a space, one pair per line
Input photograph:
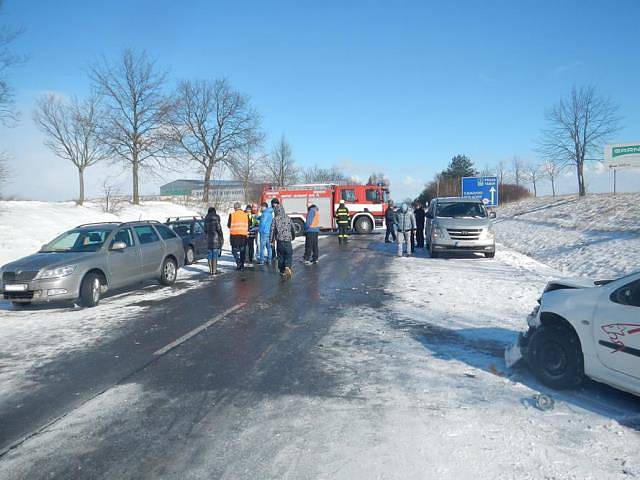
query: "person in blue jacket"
264, 230
312, 229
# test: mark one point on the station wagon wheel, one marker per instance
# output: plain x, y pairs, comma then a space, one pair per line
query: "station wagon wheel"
169, 272
190, 256
90, 290
555, 356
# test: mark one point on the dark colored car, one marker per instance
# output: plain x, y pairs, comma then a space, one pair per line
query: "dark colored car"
194, 239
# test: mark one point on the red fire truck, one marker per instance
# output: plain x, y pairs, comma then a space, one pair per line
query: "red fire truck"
366, 203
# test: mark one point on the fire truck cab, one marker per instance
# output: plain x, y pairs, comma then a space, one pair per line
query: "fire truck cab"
367, 204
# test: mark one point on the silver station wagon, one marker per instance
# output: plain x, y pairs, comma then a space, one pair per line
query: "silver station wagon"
83, 263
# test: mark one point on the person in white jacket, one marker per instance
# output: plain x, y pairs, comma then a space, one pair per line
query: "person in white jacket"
405, 224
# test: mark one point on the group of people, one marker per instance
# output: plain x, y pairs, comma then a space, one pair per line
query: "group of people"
272, 231
405, 226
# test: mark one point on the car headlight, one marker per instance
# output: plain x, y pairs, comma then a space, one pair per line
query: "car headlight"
491, 233
438, 232
56, 272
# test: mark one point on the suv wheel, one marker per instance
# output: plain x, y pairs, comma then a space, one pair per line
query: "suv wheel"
169, 271
489, 254
189, 256
90, 290
363, 225
555, 356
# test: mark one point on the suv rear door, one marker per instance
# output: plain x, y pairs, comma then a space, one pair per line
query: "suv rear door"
151, 250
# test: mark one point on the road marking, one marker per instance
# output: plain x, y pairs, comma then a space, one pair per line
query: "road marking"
197, 330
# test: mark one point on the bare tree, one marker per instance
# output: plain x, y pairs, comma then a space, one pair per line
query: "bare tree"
551, 168
4, 171
245, 169
577, 129
112, 200
280, 167
8, 60
487, 171
71, 132
333, 175
211, 123
136, 111
502, 172
518, 166
531, 172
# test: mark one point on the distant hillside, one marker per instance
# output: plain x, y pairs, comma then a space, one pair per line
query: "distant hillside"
596, 236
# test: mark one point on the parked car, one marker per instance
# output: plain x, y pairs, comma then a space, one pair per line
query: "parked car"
459, 224
584, 328
83, 263
194, 238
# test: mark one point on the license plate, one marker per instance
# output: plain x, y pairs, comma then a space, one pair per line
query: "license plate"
19, 287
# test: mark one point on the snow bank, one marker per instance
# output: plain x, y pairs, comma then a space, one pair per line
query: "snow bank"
26, 225
596, 236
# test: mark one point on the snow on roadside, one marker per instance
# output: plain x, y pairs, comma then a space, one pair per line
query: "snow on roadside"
27, 225
596, 236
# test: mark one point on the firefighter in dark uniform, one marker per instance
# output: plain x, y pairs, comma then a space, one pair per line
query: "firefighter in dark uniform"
342, 219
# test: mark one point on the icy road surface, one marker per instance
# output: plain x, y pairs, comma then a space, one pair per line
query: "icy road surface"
364, 366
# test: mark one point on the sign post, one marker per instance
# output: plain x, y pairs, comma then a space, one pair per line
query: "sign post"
482, 188
621, 155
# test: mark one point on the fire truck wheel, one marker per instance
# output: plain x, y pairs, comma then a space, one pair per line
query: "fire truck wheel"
363, 225
298, 226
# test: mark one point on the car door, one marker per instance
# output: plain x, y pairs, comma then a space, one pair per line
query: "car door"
200, 239
125, 266
151, 250
617, 329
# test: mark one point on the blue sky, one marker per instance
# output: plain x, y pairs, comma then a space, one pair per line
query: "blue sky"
398, 87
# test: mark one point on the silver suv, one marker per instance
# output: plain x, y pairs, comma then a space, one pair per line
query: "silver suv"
459, 224
84, 262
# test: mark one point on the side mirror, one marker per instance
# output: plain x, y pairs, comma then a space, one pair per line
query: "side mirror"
492, 214
43, 247
429, 215
117, 246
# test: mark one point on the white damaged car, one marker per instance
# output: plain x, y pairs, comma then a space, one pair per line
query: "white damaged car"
584, 328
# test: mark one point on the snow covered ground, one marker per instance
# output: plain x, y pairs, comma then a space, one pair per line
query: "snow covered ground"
26, 225
595, 236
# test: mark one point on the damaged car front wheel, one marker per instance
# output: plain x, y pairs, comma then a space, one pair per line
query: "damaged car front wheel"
555, 356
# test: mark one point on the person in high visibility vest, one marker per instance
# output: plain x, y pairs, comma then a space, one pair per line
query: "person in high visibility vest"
253, 229
238, 232
342, 219
312, 230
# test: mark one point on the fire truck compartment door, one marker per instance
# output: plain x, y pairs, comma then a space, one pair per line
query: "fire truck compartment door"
325, 212
295, 205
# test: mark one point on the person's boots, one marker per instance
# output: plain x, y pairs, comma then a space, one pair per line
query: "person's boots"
214, 266
210, 262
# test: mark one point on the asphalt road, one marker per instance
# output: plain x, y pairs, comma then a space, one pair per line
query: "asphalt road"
248, 335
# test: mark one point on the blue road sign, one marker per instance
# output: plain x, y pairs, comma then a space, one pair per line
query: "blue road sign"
482, 188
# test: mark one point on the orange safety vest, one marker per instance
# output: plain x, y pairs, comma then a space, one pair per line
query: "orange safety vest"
239, 223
